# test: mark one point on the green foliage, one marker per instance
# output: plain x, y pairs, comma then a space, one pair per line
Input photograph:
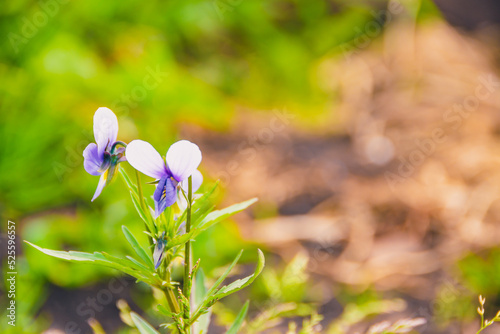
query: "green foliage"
355, 313
142, 325
453, 302
288, 286
126, 265
201, 215
143, 254
309, 326
481, 272
239, 319
238, 284
201, 326
282, 295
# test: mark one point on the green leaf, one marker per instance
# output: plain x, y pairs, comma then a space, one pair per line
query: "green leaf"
200, 208
139, 271
142, 325
181, 239
218, 215
71, 255
244, 282
162, 309
129, 183
200, 291
209, 219
103, 259
137, 247
202, 205
224, 275
141, 212
239, 320
134, 193
201, 307
95, 258
138, 264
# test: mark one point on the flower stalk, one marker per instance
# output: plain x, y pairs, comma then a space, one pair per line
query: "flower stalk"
187, 252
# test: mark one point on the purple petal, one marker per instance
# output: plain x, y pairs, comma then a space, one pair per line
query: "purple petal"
197, 181
91, 160
100, 185
160, 187
183, 158
105, 129
164, 196
143, 157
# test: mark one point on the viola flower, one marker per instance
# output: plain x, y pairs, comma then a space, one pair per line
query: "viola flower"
102, 157
182, 161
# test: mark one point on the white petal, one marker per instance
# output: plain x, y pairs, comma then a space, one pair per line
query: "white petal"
183, 158
143, 157
100, 186
105, 128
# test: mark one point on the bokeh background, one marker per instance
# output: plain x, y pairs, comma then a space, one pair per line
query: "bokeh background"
369, 130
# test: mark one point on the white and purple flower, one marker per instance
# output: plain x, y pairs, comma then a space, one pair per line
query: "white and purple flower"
102, 157
182, 161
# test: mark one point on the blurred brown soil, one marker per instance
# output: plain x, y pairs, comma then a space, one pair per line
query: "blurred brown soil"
400, 181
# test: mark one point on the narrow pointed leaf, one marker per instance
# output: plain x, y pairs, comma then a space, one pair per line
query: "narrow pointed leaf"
139, 271
127, 180
137, 247
69, 256
162, 309
244, 282
141, 212
200, 209
142, 325
200, 291
182, 239
210, 219
124, 265
95, 258
219, 215
202, 205
235, 327
138, 264
224, 275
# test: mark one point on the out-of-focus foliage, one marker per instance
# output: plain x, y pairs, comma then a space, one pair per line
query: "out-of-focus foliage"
160, 64
360, 309
481, 272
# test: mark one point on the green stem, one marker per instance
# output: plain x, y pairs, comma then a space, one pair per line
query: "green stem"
195, 316
187, 252
144, 208
169, 293
482, 324
172, 300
